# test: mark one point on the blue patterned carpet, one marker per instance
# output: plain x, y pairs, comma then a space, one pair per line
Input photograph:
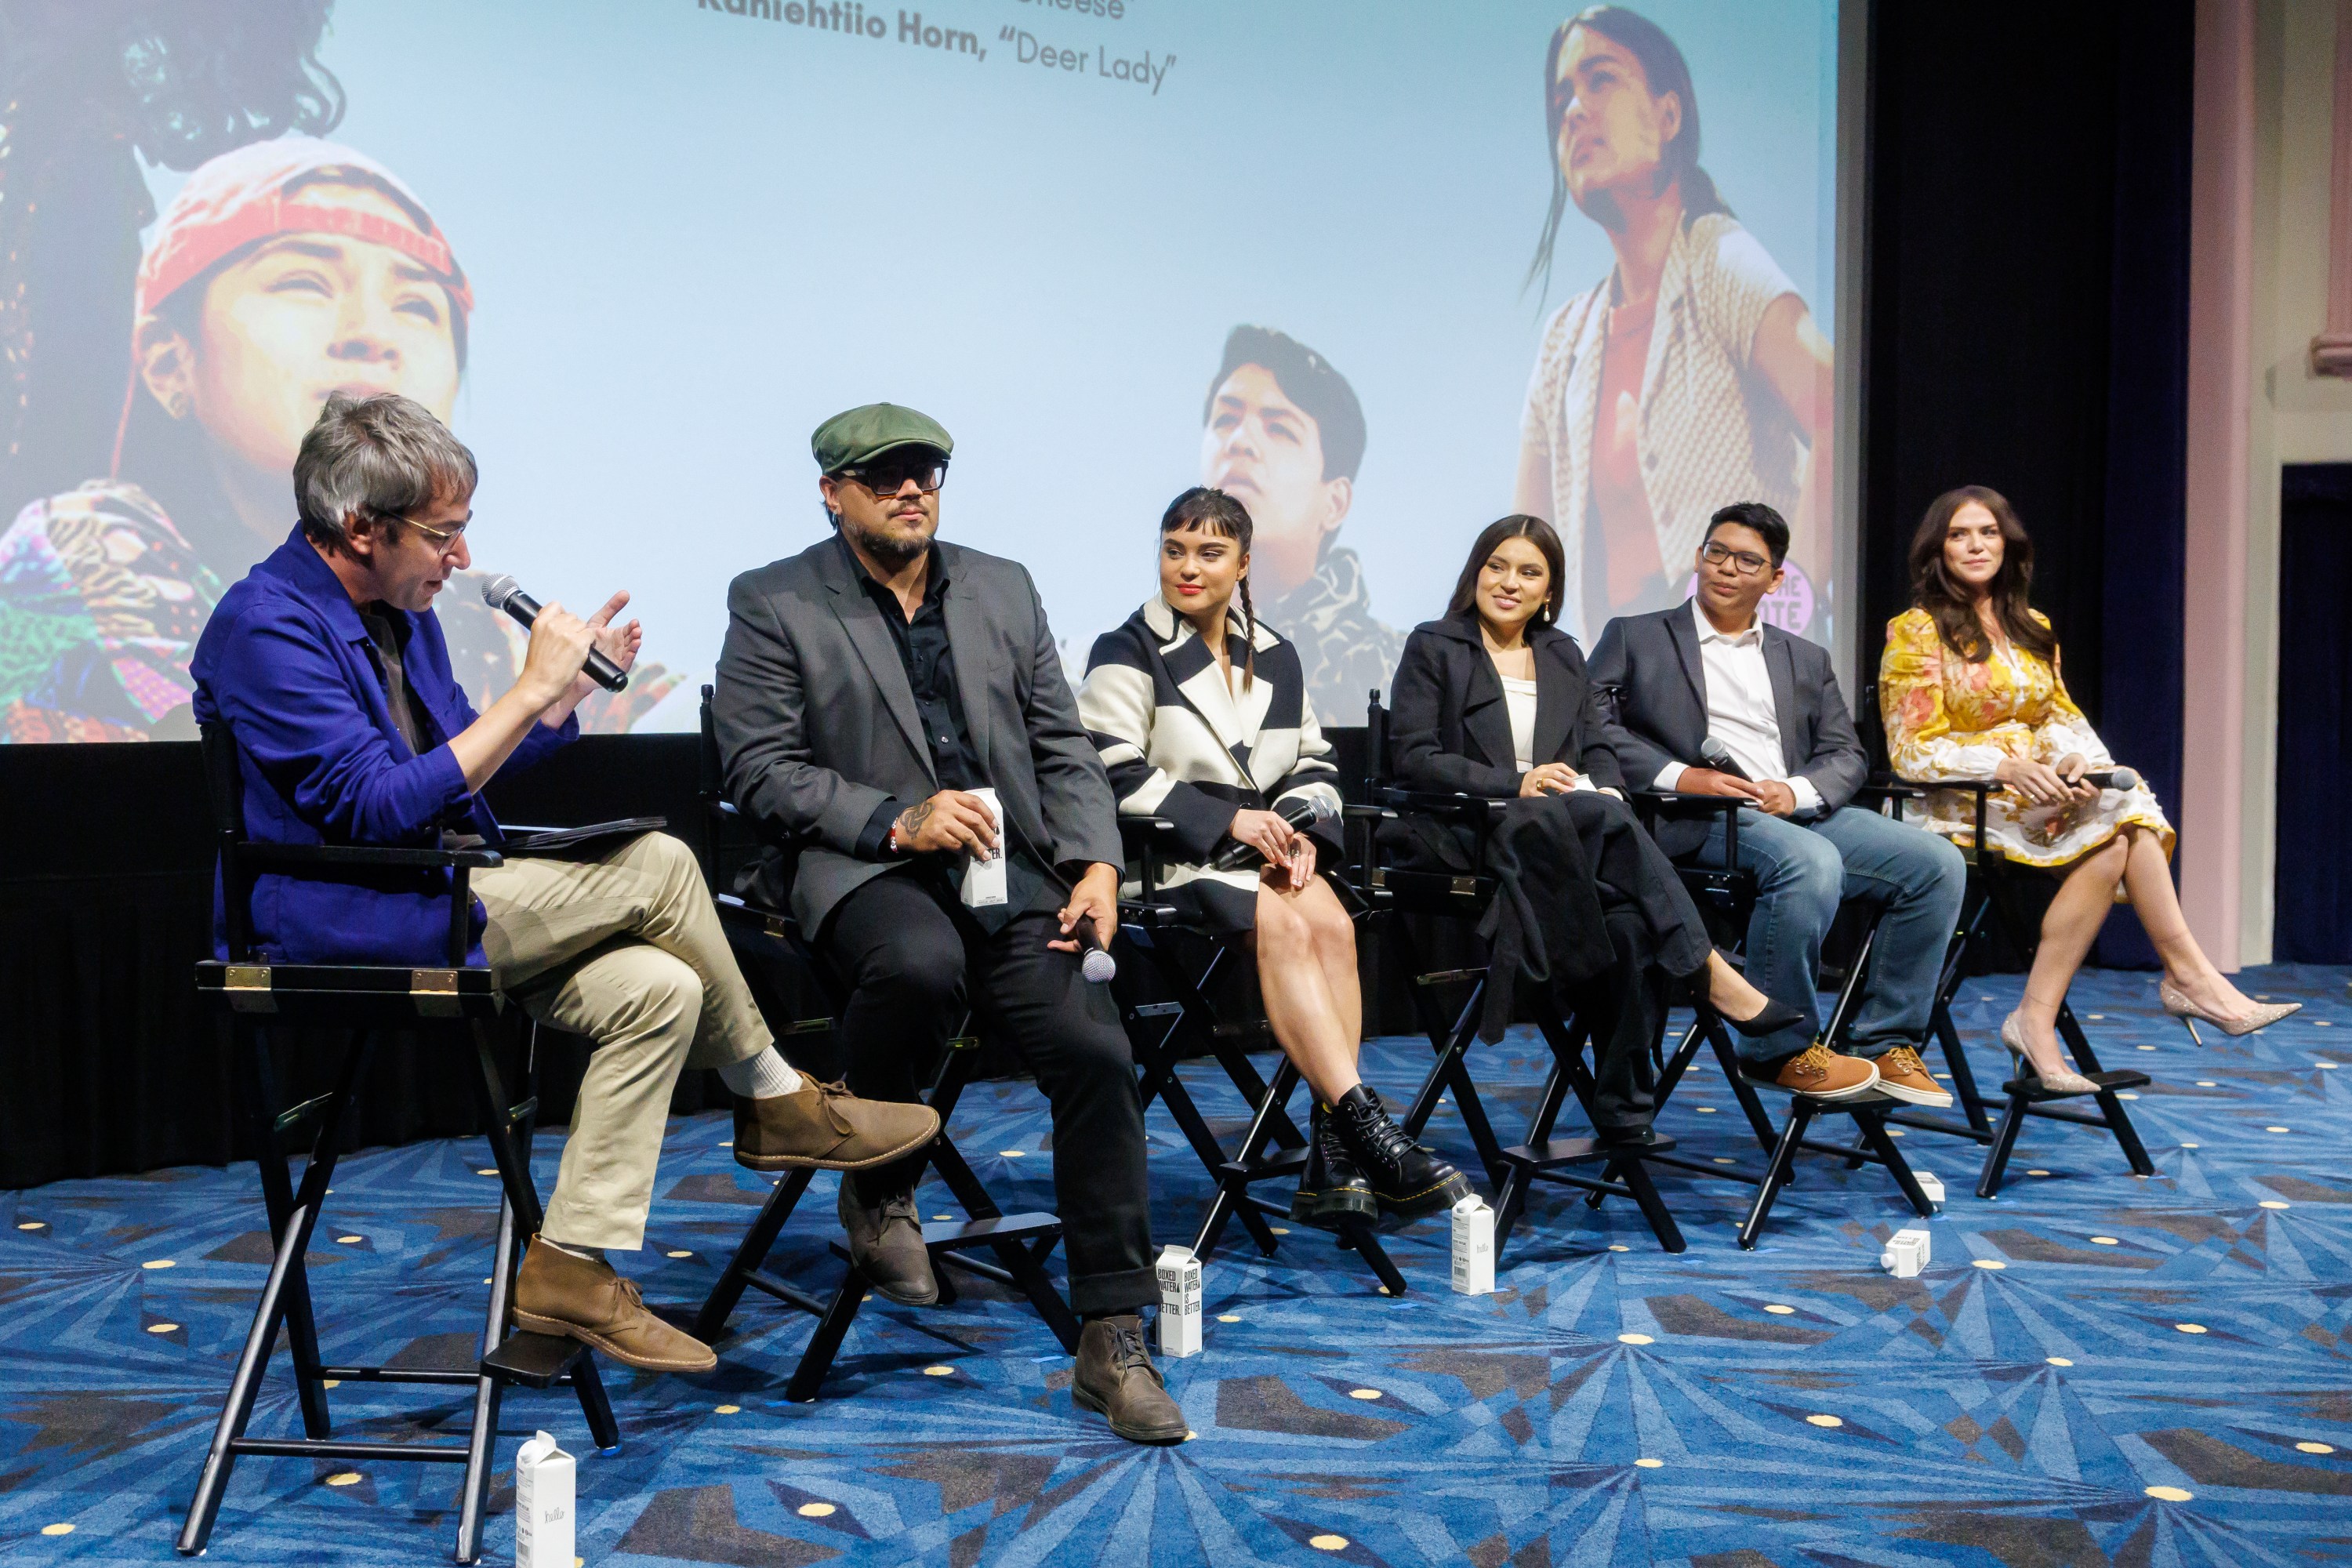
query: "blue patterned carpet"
2095, 1369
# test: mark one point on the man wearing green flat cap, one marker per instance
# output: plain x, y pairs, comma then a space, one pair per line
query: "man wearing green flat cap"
871, 688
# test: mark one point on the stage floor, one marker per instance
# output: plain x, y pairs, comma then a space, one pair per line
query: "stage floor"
2093, 1369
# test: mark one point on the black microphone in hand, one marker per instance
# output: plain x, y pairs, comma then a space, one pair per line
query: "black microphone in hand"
505, 594
1718, 757
1302, 812
2113, 778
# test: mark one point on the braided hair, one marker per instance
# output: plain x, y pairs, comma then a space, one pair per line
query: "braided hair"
1214, 511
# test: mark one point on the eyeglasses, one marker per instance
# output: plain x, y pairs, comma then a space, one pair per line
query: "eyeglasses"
446, 538
889, 475
1748, 561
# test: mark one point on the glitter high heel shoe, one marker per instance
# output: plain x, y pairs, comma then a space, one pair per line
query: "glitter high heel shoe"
2261, 1015
2014, 1037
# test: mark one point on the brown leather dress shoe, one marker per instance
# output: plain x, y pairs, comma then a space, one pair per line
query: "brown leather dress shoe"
573, 1298
825, 1126
1115, 1376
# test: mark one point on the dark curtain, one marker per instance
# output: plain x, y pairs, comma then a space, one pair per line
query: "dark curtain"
2027, 308
2313, 871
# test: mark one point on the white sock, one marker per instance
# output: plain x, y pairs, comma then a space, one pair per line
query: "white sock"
762, 1076
590, 1254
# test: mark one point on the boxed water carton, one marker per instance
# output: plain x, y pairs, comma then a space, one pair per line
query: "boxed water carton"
1474, 1247
1905, 1254
1933, 1185
1180, 1302
983, 879
544, 1478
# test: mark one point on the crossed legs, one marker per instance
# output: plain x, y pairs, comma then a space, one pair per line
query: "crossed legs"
2135, 858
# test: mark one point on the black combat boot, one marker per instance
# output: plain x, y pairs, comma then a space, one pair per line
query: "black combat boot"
1406, 1179
1332, 1189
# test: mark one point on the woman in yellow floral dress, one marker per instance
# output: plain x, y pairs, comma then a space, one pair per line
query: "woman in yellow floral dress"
1970, 688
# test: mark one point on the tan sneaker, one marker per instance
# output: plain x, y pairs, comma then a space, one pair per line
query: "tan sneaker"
573, 1298
1823, 1073
825, 1126
1902, 1074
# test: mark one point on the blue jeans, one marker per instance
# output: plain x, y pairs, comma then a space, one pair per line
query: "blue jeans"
1803, 871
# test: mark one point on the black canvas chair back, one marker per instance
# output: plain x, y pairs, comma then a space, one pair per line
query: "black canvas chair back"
1402, 895
251, 996
2011, 899
1019, 1243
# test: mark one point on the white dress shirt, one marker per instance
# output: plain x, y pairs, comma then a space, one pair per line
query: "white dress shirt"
1740, 709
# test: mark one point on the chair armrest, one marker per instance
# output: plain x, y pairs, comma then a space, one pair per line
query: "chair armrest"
1470, 808
1134, 832
361, 856
1685, 803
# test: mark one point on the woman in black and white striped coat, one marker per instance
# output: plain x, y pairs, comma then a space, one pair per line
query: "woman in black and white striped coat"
1214, 734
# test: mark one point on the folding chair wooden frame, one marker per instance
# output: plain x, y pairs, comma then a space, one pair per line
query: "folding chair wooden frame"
250, 995
1021, 1242
1163, 1034
1511, 1170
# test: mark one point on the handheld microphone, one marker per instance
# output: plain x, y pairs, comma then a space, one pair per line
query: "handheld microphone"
1098, 966
2114, 778
505, 594
1302, 812
1718, 756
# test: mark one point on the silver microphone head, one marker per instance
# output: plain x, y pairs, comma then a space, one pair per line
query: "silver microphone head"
1713, 750
2123, 778
1098, 966
499, 590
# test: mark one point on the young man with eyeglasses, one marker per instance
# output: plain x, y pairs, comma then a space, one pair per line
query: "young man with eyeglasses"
328, 665
1711, 700
868, 688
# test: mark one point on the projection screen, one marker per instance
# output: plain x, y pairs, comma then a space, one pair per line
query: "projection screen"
1358, 261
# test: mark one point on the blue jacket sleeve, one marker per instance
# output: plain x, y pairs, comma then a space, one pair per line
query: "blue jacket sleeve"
293, 711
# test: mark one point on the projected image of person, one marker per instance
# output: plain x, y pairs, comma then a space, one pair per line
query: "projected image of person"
1282, 433
1692, 374
283, 272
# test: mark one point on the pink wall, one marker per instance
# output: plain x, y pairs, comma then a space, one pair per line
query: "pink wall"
2221, 385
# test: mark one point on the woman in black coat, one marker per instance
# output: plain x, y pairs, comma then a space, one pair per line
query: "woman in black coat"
1494, 701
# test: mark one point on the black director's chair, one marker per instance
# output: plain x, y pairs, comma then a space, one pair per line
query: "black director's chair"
1540, 1156
2011, 899
1162, 1034
252, 997
1019, 1242
1726, 896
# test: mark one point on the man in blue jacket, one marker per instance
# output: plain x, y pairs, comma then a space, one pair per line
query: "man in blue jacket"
328, 665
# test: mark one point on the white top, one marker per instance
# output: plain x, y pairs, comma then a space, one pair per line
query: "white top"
1519, 695
1740, 709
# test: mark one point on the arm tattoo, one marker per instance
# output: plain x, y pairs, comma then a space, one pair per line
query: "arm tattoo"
911, 820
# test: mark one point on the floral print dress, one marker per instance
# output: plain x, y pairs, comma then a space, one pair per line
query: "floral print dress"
1949, 719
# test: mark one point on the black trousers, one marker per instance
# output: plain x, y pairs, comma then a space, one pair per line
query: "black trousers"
1625, 1007
915, 960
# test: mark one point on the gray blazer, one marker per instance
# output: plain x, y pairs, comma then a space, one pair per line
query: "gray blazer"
1650, 665
817, 724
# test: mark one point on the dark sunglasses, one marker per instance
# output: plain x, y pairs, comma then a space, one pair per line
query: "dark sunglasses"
887, 475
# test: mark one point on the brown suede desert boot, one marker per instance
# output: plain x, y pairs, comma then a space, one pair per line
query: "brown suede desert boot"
1824, 1074
825, 1126
1115, 1376
556, 1293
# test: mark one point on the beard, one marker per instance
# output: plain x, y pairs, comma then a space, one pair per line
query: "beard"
893, 550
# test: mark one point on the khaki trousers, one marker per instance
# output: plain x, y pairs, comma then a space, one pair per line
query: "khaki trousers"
625, 949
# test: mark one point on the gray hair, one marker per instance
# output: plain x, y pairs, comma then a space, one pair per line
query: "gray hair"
383, 456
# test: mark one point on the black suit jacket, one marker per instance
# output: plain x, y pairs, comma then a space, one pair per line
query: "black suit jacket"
817, 724
1450, 730
1649, 667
